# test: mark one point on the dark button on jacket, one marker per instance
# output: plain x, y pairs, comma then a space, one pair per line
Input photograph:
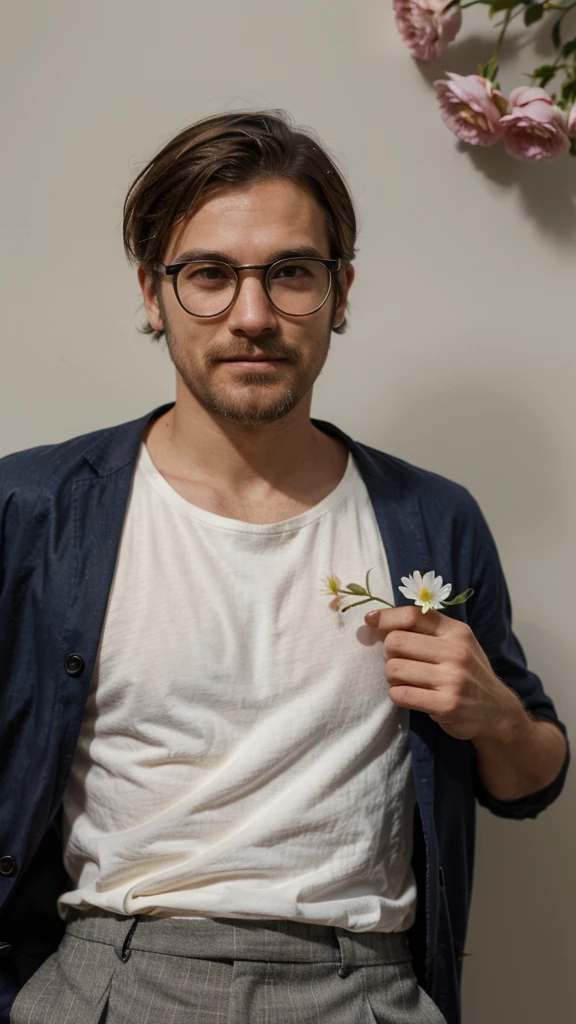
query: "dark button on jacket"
7, 865
74, 665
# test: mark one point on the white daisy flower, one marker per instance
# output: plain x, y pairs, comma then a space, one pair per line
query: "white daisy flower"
426, 592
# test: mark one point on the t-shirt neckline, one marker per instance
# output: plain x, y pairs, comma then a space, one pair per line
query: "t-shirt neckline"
154, 477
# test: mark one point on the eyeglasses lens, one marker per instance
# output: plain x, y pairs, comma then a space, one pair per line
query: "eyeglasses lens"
296, 287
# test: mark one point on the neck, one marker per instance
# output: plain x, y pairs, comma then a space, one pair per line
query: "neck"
190, 442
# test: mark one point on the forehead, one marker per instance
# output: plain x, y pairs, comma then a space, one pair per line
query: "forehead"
246, 221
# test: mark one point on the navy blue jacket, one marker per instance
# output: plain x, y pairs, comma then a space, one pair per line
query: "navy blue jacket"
62, 508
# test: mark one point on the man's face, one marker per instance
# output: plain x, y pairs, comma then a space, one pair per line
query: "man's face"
250, 225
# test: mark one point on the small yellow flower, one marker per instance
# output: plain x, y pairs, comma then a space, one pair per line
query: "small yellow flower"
333, 585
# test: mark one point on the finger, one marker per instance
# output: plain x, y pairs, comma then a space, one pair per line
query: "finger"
401, 672
416, 699
402, 643
412, 618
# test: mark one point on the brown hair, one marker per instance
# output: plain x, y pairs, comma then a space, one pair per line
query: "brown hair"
239, 147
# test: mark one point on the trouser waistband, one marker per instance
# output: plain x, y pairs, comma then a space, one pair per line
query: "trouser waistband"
265, 940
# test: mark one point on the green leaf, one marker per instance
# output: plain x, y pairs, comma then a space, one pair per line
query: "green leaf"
545, 73
367, 585
569, 47
355, 588
556, 37
460, 598
533, 13
569, 91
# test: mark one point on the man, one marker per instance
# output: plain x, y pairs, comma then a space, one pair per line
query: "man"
240, 802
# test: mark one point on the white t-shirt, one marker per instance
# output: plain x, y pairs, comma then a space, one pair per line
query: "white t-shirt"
239, 754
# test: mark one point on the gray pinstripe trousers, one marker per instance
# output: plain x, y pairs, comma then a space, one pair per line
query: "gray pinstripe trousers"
119, 970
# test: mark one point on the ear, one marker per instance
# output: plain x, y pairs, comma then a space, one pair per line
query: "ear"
150, 297
343, 284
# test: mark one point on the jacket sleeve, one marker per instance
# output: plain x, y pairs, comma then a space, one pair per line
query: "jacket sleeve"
490, 618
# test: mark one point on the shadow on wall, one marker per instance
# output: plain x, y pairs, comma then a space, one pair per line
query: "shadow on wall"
521, 933
547, 191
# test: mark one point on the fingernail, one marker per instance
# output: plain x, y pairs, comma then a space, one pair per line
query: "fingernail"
372, 618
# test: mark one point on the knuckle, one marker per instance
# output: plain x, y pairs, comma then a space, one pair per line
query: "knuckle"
394, 641
463, 628
456, 677
397, 694
461, 655
393, 668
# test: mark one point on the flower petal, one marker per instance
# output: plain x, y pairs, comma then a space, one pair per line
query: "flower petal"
445, 592
428, 580
409, 593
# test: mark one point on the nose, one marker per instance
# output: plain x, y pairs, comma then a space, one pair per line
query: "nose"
251, 313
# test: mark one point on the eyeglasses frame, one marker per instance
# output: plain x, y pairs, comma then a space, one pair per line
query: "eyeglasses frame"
173, 269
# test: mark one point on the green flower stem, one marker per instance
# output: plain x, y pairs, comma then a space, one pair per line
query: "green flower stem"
366, 601
496, 57
356, 603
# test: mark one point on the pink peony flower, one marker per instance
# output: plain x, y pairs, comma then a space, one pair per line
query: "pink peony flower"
571, 127
536, 129
471, 107
426, 26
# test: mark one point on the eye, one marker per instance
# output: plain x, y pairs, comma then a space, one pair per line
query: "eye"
204, 274
207, 273
290, 271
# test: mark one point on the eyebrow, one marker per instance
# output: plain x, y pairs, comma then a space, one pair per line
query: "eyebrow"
222, 257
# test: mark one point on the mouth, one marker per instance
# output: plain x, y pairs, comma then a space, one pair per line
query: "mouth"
259, 363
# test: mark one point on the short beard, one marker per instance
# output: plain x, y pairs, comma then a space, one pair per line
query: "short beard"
218, 400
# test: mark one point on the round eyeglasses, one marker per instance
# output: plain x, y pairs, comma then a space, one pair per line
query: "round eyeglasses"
296, 286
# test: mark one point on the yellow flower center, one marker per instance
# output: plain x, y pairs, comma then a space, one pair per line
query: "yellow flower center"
425, 595
333, 584
475, 119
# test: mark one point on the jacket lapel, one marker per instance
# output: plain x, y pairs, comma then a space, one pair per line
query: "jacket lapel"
98, 501
405, 540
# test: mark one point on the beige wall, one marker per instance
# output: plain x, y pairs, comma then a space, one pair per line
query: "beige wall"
460, 355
